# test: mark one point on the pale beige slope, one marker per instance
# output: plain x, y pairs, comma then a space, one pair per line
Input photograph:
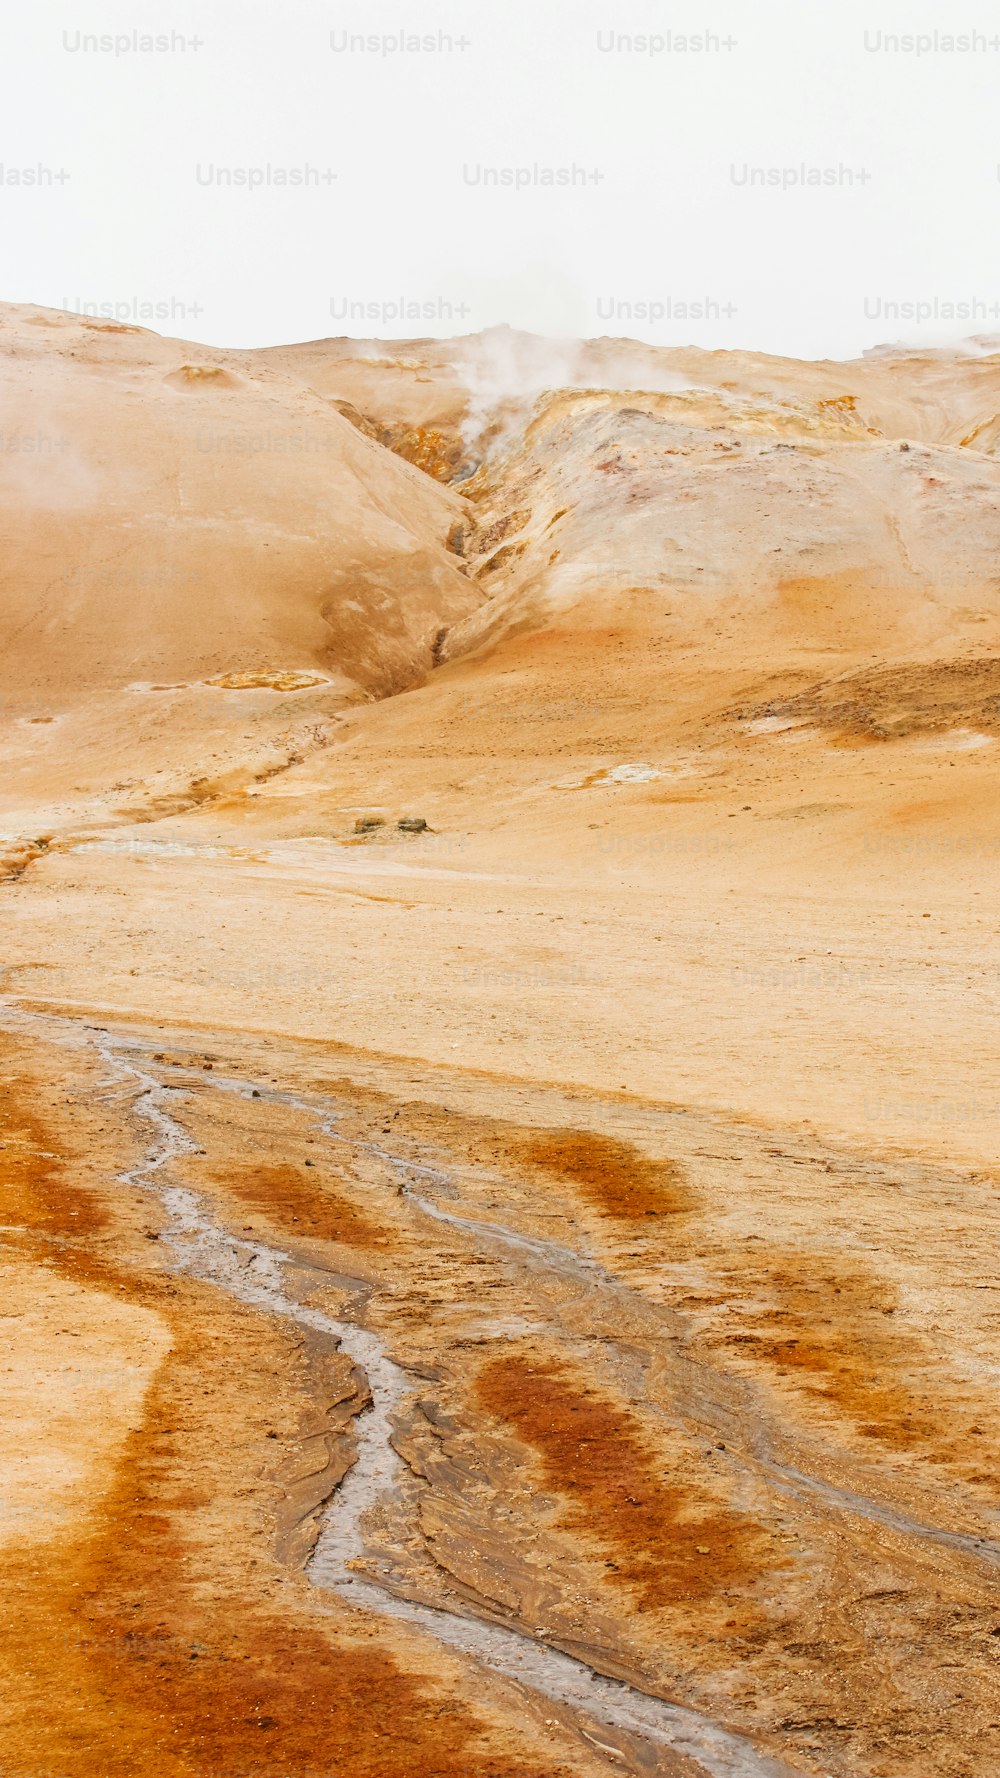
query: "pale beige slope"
702, 519
77, 1365
167, 512
944, 395
803, 507
444, 396
200, 563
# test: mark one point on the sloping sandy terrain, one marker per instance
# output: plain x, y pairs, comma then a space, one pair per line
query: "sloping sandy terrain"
499, 1150
187, 539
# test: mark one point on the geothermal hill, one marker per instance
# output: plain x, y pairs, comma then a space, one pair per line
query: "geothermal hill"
171, 513
190, 535
498, 1171
186, 535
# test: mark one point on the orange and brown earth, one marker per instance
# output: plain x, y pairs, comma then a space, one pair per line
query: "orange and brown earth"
499, 851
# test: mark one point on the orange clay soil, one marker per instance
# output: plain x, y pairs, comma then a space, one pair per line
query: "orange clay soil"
612, 1175
135, 1654
561, 1466
301, 1202
160, 1638
591, 1454
834, 1331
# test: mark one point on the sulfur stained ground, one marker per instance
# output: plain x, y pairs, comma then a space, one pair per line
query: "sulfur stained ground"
602, 1458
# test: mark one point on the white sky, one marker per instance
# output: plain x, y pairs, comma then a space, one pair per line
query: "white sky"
806, 272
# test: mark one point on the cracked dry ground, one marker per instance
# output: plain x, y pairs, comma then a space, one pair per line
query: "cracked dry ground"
706, 1407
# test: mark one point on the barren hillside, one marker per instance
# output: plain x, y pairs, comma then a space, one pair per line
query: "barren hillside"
499, 1176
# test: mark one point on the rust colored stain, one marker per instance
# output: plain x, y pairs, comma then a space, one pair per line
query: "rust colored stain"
662, 1537
831, 1330
127, 1657
612, 1175
146, 1645
34, 1192
300, 1202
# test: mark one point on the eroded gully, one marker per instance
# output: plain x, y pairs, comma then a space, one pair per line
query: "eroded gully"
255, 1274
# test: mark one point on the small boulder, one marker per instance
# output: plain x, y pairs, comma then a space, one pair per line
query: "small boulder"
413, 824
